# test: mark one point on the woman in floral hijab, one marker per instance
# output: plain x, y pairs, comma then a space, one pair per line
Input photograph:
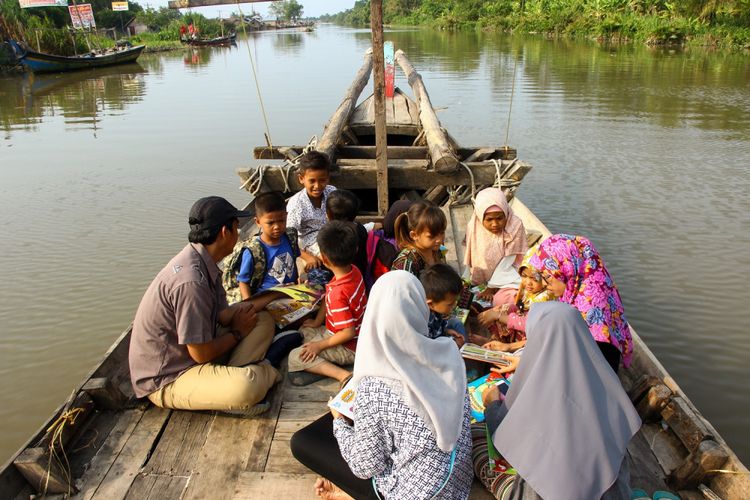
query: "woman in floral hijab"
574, 271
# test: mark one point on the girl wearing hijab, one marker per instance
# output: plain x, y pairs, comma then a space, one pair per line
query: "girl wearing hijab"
566, 421
573, 271
493, 233
410, 437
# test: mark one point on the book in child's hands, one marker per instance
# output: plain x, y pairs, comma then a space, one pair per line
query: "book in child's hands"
343, 402
483, 303
505, 274
300, 301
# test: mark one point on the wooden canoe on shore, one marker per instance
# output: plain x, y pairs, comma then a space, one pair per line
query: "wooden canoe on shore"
120, 447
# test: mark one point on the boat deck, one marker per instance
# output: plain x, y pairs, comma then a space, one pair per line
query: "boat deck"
148, 452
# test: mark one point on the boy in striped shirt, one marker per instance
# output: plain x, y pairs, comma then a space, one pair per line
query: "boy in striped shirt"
327, 347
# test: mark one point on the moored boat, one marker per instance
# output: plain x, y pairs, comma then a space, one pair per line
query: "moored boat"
120, 447
219, 41
39, 62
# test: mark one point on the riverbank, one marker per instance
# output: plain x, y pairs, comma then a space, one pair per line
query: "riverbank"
699, 23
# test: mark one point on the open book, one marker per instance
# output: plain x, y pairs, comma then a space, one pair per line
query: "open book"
300, 301
479, 353
505, 275
343, 402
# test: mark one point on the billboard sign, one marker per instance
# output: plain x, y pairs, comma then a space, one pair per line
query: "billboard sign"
82, 16
25, 4
119, 6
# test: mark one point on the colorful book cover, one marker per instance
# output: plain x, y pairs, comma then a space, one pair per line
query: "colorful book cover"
343, 402
300, 301
484, 304
477, 388
460, 314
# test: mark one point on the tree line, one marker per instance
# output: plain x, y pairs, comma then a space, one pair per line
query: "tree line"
723, 23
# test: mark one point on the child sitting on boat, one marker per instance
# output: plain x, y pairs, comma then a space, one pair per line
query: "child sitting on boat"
331, 345
420, 232
344, 205
382, 247
493, 233
306, 210
442, 286
265, 260
513, 319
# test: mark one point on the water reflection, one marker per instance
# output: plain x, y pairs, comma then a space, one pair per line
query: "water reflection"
289, 43
197, 56
81, 98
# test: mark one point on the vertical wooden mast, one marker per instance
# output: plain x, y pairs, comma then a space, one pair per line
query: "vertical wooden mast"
381, 151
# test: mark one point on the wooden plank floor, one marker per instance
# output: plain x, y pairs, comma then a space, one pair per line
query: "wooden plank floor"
167, 454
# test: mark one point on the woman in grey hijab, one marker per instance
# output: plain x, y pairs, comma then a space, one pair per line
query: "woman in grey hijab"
566, 422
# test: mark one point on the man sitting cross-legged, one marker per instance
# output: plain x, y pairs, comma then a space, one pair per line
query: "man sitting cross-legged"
189, 349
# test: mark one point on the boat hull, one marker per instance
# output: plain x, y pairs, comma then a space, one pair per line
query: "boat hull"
212, 42
47, 63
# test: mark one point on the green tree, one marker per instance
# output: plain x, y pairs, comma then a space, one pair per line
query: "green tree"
288, 10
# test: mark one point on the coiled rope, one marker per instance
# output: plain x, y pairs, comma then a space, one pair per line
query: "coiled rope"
67, 417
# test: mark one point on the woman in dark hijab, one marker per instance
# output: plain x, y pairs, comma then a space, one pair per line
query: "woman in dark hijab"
566, 422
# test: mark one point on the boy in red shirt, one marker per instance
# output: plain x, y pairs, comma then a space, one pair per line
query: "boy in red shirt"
328, 347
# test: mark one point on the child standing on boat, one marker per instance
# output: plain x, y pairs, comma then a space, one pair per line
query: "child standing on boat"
266, 260
420, 232
306, 210
493, 234
330, 345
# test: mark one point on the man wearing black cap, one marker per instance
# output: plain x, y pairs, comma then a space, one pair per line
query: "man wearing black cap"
189, 349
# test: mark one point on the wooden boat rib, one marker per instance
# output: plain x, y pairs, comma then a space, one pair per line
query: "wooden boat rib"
121, 447
39, 62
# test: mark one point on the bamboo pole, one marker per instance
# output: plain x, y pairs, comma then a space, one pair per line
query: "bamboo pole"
444, 159
381, 135
340, 117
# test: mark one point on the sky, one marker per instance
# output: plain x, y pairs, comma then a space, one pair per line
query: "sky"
312, 8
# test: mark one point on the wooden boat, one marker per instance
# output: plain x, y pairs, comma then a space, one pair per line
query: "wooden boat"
39, 62
120, 447
219, 41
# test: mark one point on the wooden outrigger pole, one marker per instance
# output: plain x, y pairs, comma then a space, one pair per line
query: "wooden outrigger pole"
340, 117
443, 156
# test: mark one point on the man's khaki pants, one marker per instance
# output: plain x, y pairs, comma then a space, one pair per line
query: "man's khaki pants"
212, 386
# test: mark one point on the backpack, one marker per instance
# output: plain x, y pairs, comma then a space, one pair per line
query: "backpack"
232, 264
380, 256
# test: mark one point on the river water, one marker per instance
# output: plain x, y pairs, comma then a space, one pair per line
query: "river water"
645, 151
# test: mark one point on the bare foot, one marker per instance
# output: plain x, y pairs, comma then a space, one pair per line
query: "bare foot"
329, 491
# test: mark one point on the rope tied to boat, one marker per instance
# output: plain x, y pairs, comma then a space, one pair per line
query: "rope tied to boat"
255, 179
67, 417
463, 193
